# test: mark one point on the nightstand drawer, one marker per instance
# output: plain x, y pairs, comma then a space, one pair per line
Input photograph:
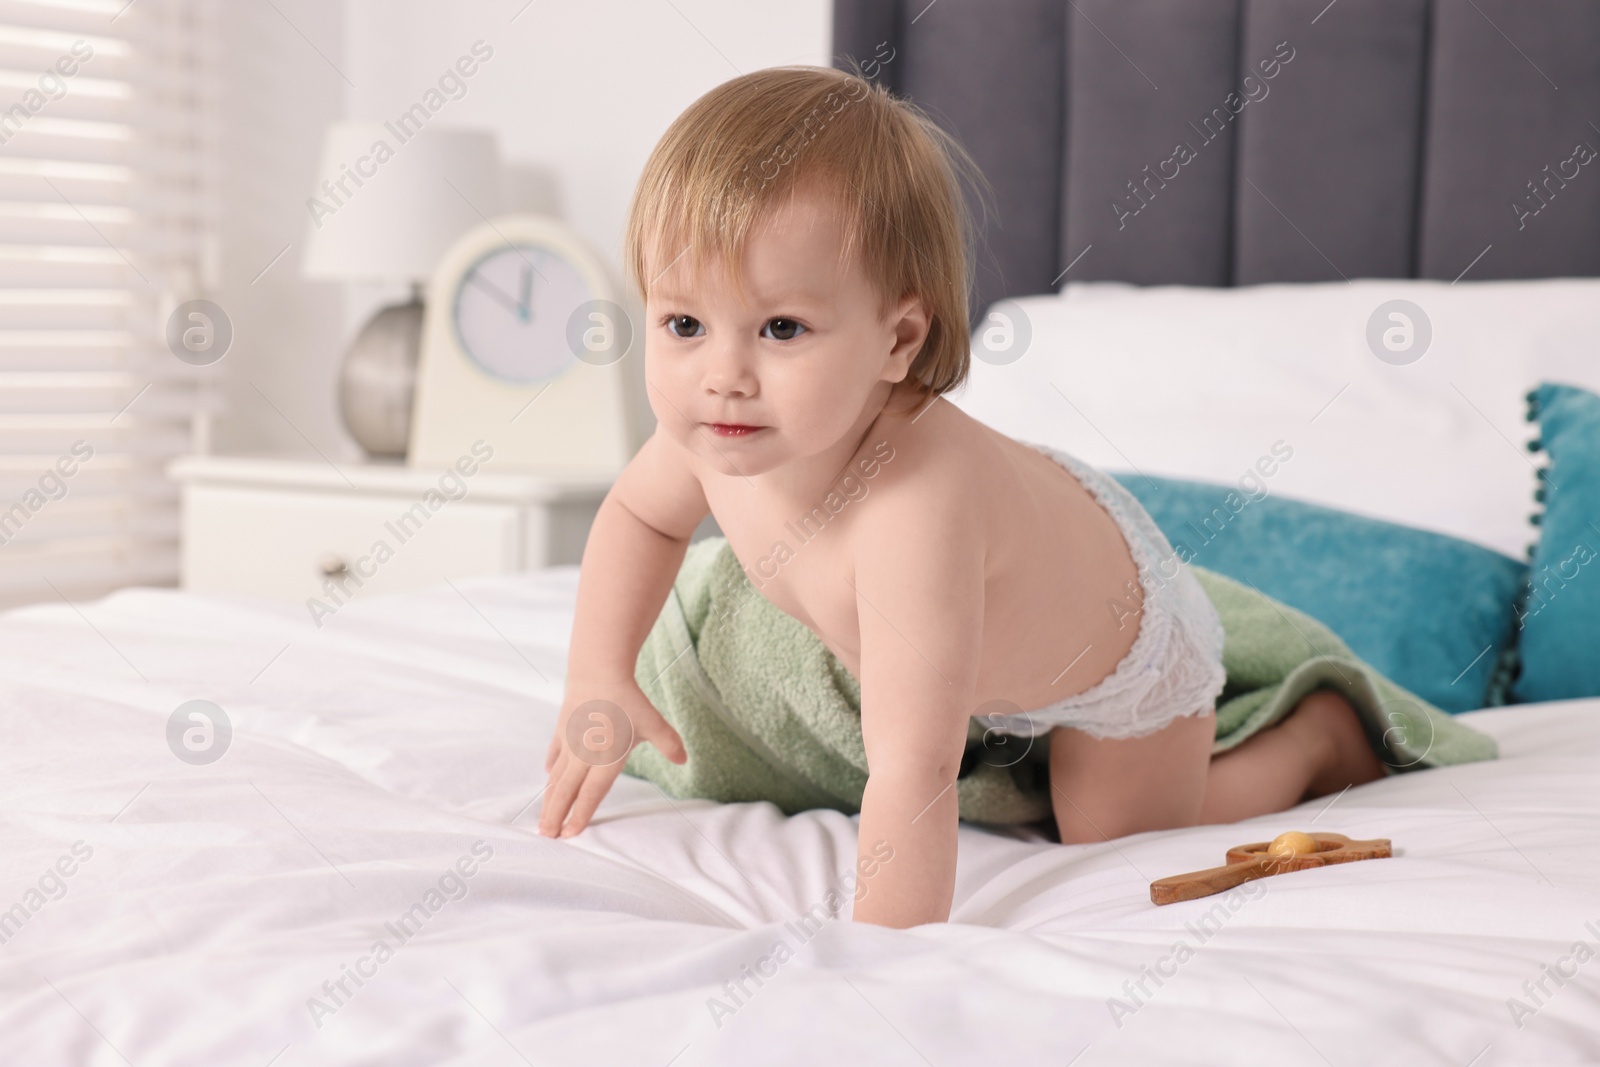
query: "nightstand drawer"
289, 545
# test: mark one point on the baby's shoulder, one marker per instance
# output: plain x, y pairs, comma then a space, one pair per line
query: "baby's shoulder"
940, 453
924, 485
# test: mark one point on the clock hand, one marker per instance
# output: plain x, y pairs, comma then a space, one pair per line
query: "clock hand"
495, 291
527, 292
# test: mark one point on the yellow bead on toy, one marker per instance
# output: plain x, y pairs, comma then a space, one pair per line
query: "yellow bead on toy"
1292, 843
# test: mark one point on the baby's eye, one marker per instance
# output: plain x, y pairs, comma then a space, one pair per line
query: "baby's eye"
688, 324
782, 329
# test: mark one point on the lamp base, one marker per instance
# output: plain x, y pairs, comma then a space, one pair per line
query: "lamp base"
378, 379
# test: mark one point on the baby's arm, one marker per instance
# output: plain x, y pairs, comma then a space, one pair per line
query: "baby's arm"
635, 547
919, 597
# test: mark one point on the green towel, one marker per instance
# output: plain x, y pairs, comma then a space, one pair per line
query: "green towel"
766, 712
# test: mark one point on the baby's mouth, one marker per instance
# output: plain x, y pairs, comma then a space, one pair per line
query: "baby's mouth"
733, 429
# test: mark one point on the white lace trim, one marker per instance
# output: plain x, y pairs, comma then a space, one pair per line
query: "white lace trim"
1175, 664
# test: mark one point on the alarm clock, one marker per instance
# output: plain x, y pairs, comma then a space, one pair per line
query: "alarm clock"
527, 347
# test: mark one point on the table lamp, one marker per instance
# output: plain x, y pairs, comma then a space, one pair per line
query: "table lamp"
387, 201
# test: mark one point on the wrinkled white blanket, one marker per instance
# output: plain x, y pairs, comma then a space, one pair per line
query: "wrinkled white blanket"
377, 789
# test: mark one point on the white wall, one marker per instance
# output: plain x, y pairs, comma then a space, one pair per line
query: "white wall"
578, 91
277, 96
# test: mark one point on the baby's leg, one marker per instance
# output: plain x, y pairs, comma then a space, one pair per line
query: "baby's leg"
1318, 748
1103, 788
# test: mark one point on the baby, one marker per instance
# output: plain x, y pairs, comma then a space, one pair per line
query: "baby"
803, 248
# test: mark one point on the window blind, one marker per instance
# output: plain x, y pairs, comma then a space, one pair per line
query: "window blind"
108, 192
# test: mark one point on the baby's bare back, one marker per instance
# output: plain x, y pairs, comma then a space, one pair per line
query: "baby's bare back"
1061, 590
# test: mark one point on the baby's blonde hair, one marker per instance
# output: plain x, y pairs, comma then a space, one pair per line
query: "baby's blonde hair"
893, 174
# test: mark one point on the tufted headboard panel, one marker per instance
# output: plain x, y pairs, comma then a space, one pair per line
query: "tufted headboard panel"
1233, 142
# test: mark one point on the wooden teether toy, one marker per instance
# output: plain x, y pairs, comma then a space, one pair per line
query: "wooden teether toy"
1289, 851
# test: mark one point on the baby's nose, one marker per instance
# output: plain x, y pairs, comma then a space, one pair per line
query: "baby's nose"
730, 372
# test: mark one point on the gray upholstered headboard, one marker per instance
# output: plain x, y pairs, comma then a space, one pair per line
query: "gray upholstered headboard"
1394, 138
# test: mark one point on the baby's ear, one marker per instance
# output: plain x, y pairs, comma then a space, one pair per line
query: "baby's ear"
910, 320
910, 304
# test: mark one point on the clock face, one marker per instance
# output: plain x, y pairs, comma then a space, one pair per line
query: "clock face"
511, 312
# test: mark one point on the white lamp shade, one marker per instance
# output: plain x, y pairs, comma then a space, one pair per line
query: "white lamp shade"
385, 205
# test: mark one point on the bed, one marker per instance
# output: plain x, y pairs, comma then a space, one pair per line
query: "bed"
368, 761
357, 879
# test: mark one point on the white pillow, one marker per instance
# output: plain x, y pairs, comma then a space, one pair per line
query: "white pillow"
1202, 383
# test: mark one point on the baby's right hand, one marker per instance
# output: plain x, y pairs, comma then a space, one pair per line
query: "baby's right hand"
600, 723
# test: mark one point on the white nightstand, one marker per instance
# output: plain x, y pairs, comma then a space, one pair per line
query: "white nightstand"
283, 528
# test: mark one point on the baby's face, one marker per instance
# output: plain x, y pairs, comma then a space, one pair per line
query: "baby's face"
802, 356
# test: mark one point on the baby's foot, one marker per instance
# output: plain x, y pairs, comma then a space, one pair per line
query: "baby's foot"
1330, 727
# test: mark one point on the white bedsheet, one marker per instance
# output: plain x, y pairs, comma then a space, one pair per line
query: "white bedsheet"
370, 755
